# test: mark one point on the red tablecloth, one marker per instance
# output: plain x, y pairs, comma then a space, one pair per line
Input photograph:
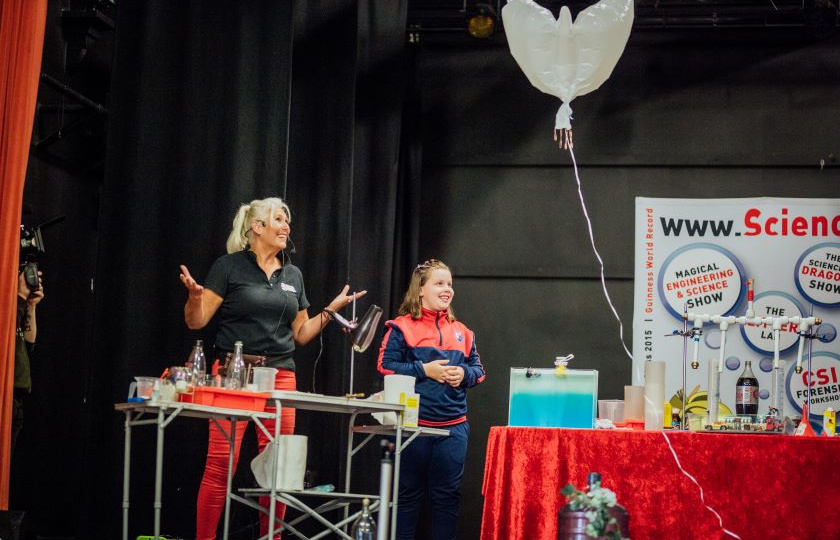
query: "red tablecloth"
763, 486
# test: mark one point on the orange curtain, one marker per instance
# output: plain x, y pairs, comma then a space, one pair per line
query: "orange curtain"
21, 42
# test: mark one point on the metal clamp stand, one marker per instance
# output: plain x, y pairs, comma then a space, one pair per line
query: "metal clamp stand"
694, 333
810, 336
777, 323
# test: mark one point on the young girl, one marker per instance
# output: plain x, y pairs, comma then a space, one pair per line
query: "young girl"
426, 342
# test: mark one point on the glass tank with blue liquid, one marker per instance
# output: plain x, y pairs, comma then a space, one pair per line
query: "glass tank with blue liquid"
545, 398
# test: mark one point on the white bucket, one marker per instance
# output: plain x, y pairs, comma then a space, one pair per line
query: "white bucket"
291, 463
395, 385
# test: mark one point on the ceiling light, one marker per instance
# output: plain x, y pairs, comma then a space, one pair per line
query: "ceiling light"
483, 23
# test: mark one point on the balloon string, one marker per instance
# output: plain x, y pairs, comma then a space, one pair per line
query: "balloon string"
702, 497
598, 255
621, 335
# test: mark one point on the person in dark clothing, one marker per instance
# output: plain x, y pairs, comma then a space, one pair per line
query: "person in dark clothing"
26, 331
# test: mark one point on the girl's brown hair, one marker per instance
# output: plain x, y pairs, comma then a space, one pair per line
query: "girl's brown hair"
411, 303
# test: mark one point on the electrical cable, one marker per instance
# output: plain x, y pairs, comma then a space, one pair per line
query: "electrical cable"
702, 497
621, 336
288, 260
285, 294
320, 352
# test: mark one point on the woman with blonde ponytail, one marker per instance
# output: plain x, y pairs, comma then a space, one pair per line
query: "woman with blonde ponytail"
260, 300
259, 209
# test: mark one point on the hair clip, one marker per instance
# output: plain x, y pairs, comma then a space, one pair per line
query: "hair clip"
426, 264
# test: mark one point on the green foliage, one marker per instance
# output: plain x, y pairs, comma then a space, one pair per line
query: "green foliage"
595, 503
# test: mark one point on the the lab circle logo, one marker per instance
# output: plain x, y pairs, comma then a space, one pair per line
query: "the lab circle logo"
824, 380
817, 275
701, 278
773, 304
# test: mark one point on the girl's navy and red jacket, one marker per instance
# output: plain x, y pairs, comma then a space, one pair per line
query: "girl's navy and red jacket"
409, 343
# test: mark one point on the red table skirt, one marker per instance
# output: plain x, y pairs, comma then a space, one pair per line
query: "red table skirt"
763, 486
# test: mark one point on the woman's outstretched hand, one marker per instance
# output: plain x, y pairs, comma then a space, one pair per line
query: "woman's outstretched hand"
342, 300
192, 286
201, 305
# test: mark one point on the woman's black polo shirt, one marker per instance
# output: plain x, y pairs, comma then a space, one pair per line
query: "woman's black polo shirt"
255, 310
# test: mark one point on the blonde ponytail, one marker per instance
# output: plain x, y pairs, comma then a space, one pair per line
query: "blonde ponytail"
238, 238
258, 209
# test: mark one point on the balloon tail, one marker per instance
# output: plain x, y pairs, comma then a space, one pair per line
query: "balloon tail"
564, 139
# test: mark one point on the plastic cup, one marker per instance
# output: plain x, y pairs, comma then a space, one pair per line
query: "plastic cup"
167, 391
613, 409
145, 385
634, 402
696, 421
264, 378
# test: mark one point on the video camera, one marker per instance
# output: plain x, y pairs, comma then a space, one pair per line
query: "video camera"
31, 249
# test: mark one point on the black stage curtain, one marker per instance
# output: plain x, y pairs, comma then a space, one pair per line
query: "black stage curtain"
214, 104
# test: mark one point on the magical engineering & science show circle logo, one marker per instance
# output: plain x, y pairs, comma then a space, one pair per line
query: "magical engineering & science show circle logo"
701, 278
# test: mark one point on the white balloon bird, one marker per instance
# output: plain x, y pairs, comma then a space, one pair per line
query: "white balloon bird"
563, 58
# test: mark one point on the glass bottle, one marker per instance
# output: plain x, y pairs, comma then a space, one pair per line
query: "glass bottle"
364, 528
746, 392
594, 480
236, 376
198, 363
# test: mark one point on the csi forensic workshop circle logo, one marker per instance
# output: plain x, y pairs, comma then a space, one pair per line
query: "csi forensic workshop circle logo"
701, 278
759, 337
823, 379
817, 275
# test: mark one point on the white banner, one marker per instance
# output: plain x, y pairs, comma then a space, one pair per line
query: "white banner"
695, 256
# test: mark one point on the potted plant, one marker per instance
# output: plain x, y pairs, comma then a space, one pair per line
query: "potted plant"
592, 513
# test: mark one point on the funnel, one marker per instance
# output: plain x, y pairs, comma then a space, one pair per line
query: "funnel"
362, 332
